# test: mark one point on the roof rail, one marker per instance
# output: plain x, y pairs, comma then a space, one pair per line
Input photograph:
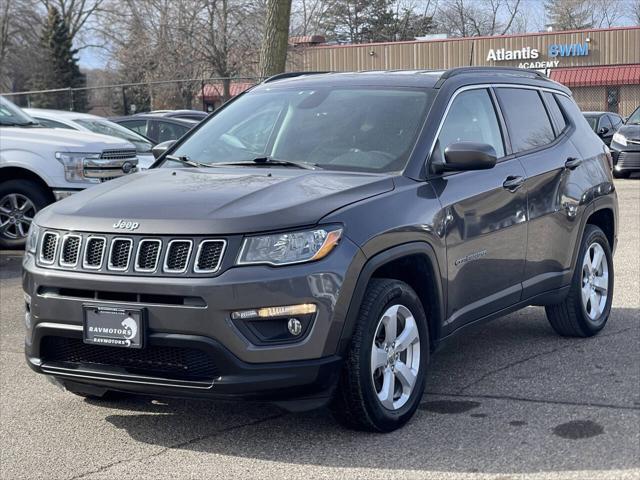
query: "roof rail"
523, 72
282, 76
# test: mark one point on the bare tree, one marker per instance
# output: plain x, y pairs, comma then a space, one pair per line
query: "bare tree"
467, 18
77, 15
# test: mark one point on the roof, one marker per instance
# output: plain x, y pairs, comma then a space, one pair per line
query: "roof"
596, 76
595, 113
215, 91
183, 121
63, 114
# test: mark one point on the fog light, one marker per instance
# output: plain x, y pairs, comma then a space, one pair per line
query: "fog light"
294, 326
270, 312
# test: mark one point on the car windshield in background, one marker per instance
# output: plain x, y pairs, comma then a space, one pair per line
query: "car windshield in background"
634, 119
593, 121
12, 116
106, 127
363, 129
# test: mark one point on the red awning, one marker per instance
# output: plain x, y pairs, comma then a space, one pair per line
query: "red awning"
214, 91
594, 76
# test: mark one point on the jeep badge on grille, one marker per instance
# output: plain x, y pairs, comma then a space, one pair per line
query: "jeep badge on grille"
125, 225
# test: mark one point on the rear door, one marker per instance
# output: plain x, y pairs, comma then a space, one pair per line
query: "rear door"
485, 215
605, 129
538, 131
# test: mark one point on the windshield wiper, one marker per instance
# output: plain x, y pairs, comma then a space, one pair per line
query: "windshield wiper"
183, 159
268, 161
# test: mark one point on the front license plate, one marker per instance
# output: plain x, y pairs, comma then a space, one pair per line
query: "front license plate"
113, 326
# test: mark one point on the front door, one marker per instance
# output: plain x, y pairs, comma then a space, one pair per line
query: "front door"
485, 216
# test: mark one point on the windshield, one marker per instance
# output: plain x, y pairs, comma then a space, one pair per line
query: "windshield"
593, 122
634, 119
105, 127
13, 116
357, 128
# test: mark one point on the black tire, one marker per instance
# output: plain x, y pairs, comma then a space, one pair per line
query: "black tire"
623, 174
38, 196
569, 318
356, 404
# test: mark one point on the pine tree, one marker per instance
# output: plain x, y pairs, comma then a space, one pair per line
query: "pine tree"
59, 67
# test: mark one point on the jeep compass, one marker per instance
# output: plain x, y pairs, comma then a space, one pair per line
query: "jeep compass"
317, 238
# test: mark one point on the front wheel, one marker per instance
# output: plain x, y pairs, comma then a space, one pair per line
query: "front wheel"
384, 374
586, 309
20, 200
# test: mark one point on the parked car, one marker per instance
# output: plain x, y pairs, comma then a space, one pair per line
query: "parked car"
604, 124
625, 146
93, 123
40, 165
157, 127
197, 115
315, 240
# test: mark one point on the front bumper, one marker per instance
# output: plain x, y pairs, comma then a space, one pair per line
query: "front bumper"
626, 159
274, 372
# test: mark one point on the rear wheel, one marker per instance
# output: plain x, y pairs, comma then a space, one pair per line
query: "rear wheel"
385, 370
586, 309
20, 200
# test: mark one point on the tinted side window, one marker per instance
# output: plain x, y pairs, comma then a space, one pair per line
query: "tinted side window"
139, 126
616, 121
527, 120
45, 122
472, 118
605, 122
555, 112
574, 115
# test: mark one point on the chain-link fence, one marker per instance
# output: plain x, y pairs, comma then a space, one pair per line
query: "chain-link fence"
205, 94
209, 93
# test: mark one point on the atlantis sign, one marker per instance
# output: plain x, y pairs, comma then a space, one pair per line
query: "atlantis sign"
531, 55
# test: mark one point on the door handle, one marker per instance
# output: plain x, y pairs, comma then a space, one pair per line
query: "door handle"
513, 183
572, 163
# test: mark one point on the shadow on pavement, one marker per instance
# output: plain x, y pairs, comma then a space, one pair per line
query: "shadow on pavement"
461, 427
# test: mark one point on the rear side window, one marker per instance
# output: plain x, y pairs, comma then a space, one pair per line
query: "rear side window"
605, 122
615, 120
472, 118
527, 120
555, 112
574, 115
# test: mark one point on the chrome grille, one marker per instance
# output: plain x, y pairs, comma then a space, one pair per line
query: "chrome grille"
120, 253
209, 256
148, 255
70, 250
177, 258
131, 254
49, 247
118, 154
94, 252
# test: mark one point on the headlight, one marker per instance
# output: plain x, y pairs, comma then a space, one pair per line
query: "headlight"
74, 166
620, 138
32, 238
290, 247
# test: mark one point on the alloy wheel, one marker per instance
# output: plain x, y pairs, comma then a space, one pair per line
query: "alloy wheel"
595, 281
16, 214
395, 357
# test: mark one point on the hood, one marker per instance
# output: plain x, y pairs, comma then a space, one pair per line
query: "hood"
213, 201
632, 132
63, 140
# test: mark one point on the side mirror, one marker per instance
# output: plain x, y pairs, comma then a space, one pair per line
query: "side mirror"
160, 148
603, 131
463, 156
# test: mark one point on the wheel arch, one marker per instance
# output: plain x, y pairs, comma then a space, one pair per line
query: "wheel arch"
414, 263
604, 218
20, 173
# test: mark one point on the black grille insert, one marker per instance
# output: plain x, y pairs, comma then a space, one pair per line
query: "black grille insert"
177, 363
177, 257
148, 253
120, 253
94, 252
70, 250
209, 256
49, 247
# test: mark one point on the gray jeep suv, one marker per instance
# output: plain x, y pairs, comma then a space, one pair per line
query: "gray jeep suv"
316, 239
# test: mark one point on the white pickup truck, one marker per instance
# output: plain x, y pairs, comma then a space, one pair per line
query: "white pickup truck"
41, 165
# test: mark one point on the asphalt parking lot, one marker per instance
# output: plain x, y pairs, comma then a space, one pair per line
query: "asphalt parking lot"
513, 400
